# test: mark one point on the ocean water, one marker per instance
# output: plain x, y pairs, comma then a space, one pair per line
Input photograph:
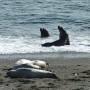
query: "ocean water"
20, 21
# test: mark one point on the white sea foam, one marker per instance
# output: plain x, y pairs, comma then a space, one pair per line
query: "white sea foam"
28, 45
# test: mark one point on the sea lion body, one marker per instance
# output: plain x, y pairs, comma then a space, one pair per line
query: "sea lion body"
41, 63
24, 66
24, 61
38, 64
30, 73
63, 39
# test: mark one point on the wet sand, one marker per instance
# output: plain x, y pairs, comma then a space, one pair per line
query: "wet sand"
73, 73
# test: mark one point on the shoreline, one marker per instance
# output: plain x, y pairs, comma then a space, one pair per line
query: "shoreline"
51, 55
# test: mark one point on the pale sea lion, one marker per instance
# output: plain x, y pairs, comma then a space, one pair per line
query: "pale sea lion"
24, 61
41, 63
38, 64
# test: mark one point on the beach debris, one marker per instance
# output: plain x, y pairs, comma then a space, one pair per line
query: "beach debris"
75, 74
74, 79
86, 72
81, 88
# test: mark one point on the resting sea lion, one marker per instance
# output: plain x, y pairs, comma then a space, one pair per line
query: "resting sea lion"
24, 61
41, 64
24, 66
63, 39
38, 64
30, 73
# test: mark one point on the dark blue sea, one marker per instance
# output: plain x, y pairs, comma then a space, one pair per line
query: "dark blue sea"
21, 20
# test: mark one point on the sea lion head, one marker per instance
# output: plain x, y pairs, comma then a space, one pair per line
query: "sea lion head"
44, 32
62, 31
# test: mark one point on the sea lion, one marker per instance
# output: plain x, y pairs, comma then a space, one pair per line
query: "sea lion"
38, 64
41, 64
63, 39
63, 36
44, 33
30, 73
24, 66
24, 61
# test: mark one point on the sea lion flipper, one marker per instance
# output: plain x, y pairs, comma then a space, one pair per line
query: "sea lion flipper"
47, 44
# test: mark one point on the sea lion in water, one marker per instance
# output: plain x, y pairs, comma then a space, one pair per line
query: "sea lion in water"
44, 33
30, 73
63, 39
63, 36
